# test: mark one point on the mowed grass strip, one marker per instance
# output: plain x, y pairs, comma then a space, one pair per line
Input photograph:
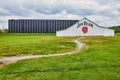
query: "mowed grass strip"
34, 44
100, 60
27, 34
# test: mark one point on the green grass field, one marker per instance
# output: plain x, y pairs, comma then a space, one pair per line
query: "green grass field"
99, 60
32, 44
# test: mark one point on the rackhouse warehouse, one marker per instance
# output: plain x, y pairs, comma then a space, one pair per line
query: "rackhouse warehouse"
84, 27
39, 26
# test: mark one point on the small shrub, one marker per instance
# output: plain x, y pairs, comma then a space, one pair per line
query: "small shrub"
5, 30
0, 31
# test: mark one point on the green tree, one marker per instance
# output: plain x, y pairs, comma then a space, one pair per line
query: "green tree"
116, 28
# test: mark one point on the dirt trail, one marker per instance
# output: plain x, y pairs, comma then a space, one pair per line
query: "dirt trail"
7, 60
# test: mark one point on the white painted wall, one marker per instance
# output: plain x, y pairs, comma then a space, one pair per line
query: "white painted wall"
92, 31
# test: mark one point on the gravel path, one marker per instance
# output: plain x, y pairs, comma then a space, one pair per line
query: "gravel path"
7, 60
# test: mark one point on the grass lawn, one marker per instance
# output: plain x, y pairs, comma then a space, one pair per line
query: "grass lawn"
32, 44
99, 60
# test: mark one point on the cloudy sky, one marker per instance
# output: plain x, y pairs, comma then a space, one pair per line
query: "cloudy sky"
103, 12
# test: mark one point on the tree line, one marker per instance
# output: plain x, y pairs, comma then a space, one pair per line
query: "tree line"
116, 28
4, 30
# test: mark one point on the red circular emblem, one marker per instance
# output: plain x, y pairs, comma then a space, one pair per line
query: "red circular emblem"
84, 29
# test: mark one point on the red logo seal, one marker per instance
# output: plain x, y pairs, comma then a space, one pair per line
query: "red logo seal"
85, 29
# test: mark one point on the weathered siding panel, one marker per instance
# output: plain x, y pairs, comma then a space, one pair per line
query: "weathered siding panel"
38, 26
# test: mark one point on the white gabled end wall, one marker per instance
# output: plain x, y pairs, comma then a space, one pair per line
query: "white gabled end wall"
90, 29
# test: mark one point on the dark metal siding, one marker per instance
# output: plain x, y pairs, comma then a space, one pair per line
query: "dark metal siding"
38, 26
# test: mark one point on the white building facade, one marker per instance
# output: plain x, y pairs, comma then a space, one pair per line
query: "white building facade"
85, 27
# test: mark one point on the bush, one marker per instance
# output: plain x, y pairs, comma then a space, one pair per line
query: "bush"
5, 30
0, 31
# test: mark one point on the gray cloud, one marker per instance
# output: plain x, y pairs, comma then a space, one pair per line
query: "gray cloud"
105, 13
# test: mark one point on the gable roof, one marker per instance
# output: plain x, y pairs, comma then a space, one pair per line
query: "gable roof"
89, 21
93, 23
